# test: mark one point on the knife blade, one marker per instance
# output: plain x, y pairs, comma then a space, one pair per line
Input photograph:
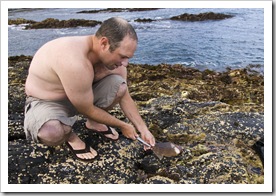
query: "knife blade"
143, 142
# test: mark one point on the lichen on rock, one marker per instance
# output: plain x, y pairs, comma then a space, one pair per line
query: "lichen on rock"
216, 121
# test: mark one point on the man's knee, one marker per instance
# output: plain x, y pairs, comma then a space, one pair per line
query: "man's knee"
109, 91
122, 90
120, 93
53, 133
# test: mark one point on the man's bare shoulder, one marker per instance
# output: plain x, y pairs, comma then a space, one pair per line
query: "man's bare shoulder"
69, 44
66, 50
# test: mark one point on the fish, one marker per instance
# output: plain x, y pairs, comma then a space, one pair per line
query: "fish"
166, 149
163, 149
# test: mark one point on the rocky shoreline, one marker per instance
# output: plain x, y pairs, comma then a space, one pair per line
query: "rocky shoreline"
51, 23
216, 117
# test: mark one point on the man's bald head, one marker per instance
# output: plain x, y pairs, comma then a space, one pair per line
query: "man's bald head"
115, 29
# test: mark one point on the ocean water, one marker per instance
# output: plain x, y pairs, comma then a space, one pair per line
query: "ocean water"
216, 45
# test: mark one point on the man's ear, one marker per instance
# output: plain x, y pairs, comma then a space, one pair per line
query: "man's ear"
104, 43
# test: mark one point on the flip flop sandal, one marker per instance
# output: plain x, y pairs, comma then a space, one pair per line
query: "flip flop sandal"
104, 133
82, 151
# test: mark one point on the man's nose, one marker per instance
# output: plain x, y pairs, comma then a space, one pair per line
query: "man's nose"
125, 62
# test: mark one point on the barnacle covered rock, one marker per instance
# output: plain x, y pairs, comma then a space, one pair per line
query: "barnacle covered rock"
215, 117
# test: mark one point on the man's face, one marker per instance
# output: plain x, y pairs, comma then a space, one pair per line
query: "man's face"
121, 55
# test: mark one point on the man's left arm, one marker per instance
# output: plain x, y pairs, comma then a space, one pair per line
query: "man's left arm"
130, 110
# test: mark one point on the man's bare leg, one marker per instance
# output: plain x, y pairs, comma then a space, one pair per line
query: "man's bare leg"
90, 124
78, 144
54, 133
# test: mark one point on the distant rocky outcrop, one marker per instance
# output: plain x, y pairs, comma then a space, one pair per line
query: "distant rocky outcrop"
144, 20
216, 117
201, 16
19, 21
51, 23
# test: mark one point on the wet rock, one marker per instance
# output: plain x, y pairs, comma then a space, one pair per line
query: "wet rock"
55, 23
19, 21
201, 16
150, 164
158, 180
179, 104
143, 20
259, 148
239, 89
51, 23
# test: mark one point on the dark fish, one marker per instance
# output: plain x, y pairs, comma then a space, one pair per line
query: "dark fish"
166, 149
163, 149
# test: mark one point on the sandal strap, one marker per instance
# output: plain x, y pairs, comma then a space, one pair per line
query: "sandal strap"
109, 131
81, 151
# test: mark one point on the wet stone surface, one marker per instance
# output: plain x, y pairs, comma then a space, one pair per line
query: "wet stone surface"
182, 105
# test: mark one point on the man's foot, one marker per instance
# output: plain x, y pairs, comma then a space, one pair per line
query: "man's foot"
104, 130
82, 153
80, 150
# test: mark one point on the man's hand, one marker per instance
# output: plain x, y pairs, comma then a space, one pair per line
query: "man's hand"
129, 131
149, 138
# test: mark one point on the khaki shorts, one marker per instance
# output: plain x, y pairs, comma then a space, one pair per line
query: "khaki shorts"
38, 112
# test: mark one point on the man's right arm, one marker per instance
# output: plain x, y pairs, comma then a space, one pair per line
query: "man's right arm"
77, 83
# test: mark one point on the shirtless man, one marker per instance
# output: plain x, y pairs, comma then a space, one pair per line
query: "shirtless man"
83, 75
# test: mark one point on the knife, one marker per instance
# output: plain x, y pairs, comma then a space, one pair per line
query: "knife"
143, 142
